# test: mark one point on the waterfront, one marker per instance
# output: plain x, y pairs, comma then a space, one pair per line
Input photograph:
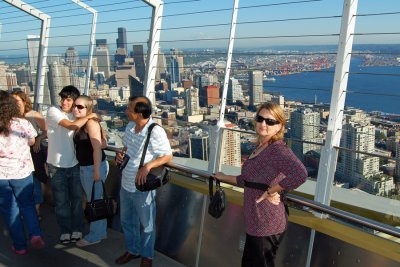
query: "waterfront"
369, 88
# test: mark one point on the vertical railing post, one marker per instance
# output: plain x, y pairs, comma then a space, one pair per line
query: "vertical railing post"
153, 47
329, 155
216, 132
91, 44
44, 40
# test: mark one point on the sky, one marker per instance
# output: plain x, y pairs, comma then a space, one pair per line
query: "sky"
202, 23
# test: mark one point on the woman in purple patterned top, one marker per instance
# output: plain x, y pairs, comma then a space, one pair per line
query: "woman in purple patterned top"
272, 163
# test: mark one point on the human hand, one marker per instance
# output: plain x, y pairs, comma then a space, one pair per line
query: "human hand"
220, 176
119, 156
96, 176
274, 198
141, 175
36, 146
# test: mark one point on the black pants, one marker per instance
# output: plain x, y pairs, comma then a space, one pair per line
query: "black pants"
260, 251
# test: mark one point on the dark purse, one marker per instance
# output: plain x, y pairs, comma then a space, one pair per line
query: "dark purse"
217, 200
153, 181
100, 208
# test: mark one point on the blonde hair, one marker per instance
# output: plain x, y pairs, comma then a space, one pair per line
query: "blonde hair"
88, 103
279, 115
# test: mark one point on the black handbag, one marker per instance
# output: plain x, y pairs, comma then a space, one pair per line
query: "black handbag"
153, 180
217, 200
100, 208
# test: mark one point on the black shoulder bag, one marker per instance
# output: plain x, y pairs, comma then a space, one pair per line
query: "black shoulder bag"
153, 181
100, 208
217, 200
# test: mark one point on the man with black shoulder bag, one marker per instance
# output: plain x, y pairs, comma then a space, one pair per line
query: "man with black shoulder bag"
145, 149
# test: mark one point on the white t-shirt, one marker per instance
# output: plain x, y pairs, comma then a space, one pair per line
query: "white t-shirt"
61, 151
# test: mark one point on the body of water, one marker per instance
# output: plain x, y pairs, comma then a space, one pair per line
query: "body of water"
369, 88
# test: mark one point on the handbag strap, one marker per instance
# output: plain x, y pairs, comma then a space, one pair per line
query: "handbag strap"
93, 188
146, 144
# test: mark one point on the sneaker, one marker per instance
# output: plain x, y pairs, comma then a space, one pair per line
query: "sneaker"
19, 251
37, 242
76, 236
65, 238
83, 243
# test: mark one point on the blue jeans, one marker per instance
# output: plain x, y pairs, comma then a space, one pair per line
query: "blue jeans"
16, 195
138, 215
67, 195
37, 191
98, 229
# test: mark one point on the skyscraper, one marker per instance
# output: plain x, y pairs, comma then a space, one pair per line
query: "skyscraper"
358, 134
255, 88
121, 40
235, 92
103, 60
72, 60
161, 66
175, 68
138, 56
3, 80
304, 126
33, 43
58, 76
231, 151
198, 146
192, 101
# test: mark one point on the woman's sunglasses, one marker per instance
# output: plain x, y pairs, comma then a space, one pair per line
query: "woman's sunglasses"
79, 107
268, 121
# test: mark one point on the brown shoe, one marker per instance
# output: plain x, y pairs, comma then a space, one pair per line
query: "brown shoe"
124, 258
146, 262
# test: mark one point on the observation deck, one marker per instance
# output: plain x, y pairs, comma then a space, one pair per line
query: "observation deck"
337, 62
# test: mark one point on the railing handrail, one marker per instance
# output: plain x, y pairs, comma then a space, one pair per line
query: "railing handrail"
374, 225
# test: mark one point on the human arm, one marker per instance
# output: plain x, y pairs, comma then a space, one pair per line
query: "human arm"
78, 123
144, 171
94, 131
230, 179
40, 121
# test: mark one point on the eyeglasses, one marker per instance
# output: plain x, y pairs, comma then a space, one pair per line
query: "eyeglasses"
268, 121
79, 107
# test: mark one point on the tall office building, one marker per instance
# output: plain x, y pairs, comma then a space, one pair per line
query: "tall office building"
175, 66
209, 96
398, 161
3, 80
122, 74
22, 75
121, 40
138, 56
103, 60
235, 91
120, 56
11, 78
305, 126
33, 43
192, 101
198, 146
101, 42
255, 88
358, 134
72, 60
231, 151
58, 76
161, 66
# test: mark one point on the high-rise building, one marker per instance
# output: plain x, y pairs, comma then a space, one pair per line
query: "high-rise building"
120, 56
122, 74
358, 134
11, 78
231, 151
398, 161
175, 67
59, 77
305, 126
161, 66
33, 43
192, 101
101, 42
235, 92
255, 87
121, 40
198, 146
209, 96
22, 75
103, 60
3, 80
72, 60
138, 56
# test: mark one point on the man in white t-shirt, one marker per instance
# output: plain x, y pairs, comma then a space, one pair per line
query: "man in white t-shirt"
63, 165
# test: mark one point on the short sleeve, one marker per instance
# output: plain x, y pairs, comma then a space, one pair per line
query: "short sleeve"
159, 142
53, 117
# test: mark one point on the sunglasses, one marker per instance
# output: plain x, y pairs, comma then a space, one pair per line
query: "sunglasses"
268, 121
79, 107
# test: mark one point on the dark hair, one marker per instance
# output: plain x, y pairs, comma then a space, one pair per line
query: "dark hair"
8, 110
70, 91
143, 105
25, 99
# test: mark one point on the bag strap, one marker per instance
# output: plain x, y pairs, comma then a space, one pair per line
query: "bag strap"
146, 144
211, 185
104, 191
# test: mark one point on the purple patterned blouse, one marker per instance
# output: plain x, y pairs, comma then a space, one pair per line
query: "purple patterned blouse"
276, 164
